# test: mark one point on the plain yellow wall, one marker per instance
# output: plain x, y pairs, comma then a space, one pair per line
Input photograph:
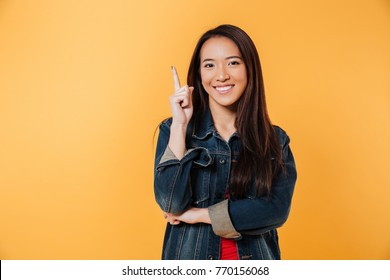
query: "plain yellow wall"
84, 83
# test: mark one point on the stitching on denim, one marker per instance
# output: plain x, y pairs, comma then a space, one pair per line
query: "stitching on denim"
180, 244
199, 237
172, 188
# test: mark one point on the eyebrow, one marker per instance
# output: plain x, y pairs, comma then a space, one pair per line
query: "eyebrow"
229, 57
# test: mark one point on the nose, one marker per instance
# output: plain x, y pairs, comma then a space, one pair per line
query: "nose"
222, 74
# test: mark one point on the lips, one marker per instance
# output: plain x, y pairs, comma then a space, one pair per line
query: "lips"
223, 89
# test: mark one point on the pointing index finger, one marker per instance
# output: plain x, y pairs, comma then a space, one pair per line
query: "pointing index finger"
176, 81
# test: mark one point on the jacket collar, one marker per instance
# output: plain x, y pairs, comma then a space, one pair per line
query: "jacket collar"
203, 125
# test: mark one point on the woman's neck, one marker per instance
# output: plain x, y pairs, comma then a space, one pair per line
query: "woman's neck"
224, 121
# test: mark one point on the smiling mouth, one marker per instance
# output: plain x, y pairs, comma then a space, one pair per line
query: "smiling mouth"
223, 89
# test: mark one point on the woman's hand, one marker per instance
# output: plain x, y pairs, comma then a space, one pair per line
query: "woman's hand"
181, 102
190, 216
182, 109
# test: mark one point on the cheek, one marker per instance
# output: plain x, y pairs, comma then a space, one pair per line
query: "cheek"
205, 76
205, 83
244, 80
206, 87
243, 77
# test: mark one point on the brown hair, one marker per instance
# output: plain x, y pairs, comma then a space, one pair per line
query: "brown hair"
261, 154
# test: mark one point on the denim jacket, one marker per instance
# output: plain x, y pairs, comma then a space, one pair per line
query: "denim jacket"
200, 179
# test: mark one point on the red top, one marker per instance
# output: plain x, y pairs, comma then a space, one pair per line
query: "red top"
228, 247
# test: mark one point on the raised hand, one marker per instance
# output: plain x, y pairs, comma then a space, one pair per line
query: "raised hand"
181, 102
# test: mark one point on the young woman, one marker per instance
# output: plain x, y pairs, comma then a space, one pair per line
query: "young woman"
224, 175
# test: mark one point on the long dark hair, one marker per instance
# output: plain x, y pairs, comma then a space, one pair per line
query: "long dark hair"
261, 154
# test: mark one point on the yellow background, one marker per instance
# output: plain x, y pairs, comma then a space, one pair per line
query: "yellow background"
84, 84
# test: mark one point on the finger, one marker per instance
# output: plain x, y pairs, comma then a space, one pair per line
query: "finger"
183, 96
172, 220
184, 103
187, 100
178, 99
175, 222
176, 81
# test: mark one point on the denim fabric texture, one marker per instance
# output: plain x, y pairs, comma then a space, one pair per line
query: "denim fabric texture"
201, 179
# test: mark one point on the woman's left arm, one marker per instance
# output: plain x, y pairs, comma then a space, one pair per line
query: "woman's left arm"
190, 216
252, 216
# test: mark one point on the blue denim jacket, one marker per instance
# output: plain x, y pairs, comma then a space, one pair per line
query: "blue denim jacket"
201, 179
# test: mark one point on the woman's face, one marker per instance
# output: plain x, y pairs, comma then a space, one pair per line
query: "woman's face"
223, 72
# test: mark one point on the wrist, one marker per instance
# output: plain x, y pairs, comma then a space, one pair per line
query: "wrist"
177, 126
177, 141
204, 215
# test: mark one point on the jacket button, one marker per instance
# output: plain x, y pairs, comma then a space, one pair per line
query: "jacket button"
222, 161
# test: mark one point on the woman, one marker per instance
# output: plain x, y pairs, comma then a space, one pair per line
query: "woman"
224, 175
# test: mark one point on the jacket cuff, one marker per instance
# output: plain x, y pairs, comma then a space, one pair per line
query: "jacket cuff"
221, 222
201, 156
168, 155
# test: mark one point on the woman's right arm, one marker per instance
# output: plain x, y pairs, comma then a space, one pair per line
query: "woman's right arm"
182, 109
172, 187
173, 162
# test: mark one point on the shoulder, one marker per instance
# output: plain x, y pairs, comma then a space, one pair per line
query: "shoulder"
282, 135
166, 123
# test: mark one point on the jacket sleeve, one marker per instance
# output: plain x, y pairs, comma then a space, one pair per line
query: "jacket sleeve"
172, 187
253, 216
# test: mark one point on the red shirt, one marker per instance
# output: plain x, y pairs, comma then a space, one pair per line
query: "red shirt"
228, 247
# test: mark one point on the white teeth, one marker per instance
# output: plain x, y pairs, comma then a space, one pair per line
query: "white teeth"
225, 88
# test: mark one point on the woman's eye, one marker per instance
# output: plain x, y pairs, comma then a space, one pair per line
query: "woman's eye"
208, 65
234, 63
